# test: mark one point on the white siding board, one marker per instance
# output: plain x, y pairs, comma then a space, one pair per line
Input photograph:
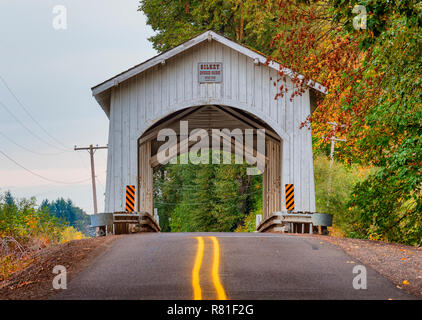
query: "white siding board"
265, 90
125, 110
235, 75
133, 144
179, 85
250, 82
227, 74
297, 143
157, 91
211, 58
143, 101
195, 83
258, 88
203, 56
281, 108
117, 150
149, 96
305, 155
109, 200
312, 205
164, 89
273, 92
173, 82
137, 103
219, 87
289, 149
242, 78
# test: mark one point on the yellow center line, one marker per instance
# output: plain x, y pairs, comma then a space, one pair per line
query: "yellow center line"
221, 294
197, 293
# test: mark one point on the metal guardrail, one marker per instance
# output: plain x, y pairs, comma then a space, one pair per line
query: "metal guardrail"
322, 219
148, 223
101, 219
284, 222
271, 224
126, 218
124, 223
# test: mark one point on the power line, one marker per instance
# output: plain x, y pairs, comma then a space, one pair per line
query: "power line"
27, 149
204, 202
27, 129
29, 114
40, 176
30, 131
99, 181
181, 187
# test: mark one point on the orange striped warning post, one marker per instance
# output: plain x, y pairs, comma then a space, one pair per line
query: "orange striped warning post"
290, 197
130, 198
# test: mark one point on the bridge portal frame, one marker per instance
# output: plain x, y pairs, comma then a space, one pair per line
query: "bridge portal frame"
168, 84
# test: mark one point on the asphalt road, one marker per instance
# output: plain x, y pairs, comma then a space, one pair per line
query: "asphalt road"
224, 265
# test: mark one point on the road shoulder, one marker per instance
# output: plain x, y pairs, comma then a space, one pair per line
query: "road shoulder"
399, 263
35, 281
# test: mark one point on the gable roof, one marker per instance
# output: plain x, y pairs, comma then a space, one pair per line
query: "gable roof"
101, 90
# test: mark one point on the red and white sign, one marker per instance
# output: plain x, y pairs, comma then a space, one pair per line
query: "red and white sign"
210, 72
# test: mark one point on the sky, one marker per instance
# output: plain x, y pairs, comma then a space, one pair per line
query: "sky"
50, 72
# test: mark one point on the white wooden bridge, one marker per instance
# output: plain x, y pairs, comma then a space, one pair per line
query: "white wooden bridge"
237, 90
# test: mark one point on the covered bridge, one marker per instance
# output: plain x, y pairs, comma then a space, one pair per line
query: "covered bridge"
236, 91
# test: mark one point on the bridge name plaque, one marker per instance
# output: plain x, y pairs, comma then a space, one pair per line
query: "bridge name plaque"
210, 72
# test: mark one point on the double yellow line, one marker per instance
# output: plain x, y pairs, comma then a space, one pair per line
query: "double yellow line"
197, 292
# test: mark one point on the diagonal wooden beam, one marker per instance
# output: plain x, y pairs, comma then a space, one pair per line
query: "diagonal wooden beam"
174, 152
248, 152
240, 117
153, 134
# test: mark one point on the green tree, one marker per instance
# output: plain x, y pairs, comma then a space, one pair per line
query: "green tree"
21, 220
389, 202
251, 22
205, 197
68, 212
373, 77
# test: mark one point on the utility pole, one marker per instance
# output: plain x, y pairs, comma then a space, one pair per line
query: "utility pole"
333, 139
91, 149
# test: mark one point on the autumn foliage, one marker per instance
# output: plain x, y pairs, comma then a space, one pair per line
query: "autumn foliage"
374, 92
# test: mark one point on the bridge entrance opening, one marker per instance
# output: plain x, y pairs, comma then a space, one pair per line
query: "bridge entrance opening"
242, 92
209, 168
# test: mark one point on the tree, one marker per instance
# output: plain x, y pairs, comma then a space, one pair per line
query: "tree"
251, 22
67, 212
205, 197
389, 203
21, 220
373, 77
